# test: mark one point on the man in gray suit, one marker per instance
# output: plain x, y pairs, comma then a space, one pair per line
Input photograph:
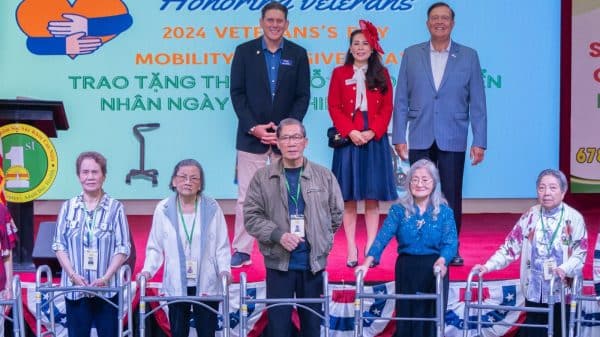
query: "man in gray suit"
439, 91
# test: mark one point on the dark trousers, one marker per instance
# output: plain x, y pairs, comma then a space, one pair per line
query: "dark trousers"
414, 274
541, 318
286, 284
204, 319
451, 166
88, 311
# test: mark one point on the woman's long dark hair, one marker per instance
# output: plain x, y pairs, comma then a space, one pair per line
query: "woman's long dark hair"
376, 71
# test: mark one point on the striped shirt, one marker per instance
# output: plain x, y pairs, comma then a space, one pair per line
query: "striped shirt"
109, 235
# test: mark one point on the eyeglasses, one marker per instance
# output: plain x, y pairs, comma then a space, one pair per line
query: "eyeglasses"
424, 181
192, 179
291, 139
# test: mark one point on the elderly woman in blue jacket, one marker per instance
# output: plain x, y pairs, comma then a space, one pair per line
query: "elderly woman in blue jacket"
424, 227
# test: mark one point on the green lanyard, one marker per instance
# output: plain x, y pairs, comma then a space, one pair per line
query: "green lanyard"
89, 225
557, 227
297, 196
188, 235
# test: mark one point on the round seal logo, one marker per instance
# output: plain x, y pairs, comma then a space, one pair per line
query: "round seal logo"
30, 162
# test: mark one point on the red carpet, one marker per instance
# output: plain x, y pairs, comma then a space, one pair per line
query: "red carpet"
480, 237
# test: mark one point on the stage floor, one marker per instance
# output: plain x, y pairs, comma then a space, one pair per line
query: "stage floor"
480, 237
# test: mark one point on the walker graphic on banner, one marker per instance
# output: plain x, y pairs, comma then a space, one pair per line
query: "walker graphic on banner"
71, 27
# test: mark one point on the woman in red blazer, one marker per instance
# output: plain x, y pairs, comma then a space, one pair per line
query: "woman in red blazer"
360, 106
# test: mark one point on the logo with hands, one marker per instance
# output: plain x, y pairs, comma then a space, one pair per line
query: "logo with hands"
71, 27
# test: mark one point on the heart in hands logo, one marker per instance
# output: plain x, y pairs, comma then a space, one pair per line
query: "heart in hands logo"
71, 27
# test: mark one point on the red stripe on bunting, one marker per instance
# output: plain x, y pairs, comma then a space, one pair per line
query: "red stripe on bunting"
474, 294
343, 296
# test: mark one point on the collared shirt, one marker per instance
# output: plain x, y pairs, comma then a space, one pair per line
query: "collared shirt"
439, 59
272, 61
418, 234
110, 236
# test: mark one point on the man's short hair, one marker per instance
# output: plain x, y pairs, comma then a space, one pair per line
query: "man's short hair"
290, 121
440, 4
274, 5
556, 174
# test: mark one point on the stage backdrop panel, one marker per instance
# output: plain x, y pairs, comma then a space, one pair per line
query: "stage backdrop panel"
168, 62
585, 97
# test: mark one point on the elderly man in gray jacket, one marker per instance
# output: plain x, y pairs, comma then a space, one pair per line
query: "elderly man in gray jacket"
293, 208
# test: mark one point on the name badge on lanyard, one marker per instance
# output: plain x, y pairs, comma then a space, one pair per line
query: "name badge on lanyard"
549, 266
191, 269
297, 225
90, 259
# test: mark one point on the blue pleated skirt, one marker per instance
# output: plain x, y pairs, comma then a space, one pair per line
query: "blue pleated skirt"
365, 172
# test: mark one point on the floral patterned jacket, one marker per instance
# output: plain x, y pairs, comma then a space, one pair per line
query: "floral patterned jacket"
572, 239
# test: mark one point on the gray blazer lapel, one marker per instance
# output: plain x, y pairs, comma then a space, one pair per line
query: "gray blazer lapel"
453, 56
426, 59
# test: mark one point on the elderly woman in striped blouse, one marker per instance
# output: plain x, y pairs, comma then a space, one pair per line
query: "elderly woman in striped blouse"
91, 243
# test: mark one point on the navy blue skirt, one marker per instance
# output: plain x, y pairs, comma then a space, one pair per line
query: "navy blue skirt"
365, 172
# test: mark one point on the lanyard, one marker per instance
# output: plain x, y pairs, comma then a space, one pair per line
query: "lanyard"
188, 235
297, 196
89, 226
555, 230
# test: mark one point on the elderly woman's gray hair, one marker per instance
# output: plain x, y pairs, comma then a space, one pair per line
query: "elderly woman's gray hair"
188, 162
556, 174
435, 199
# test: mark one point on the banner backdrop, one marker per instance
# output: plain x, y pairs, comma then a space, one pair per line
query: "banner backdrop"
585, 97
168, 62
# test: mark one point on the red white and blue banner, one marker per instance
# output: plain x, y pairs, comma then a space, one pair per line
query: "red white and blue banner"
342, 310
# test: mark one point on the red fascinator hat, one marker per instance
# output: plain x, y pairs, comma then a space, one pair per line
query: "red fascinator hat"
370, 33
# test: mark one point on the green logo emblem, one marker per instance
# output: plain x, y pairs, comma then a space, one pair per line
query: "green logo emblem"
30, 162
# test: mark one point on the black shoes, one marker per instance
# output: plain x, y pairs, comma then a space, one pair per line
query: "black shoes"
354, 263
351, 264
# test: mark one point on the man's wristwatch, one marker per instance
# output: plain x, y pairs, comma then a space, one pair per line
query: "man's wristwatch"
251, 131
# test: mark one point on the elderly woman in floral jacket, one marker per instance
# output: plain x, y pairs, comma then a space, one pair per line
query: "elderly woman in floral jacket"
551, 240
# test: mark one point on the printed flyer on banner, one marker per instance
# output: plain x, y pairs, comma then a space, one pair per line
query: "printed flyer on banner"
585, 97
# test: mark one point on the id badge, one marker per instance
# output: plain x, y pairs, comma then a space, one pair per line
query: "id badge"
549, 266
297, 225
90, 259
191, 269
